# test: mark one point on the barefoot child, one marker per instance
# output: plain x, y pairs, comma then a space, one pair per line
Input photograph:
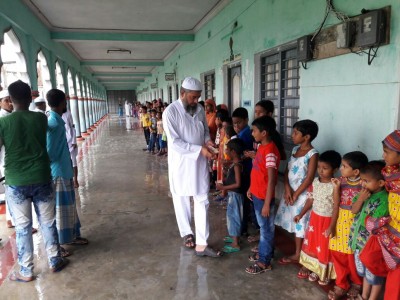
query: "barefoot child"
262, 190
232, 184
315, 255
371, 201
345, 189
299, 175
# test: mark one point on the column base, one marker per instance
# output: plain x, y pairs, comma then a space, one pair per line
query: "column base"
85, 134
80, 138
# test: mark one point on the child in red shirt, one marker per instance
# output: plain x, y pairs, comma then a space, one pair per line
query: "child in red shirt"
263, 180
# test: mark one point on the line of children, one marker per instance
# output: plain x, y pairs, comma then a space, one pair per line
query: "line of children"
342, 208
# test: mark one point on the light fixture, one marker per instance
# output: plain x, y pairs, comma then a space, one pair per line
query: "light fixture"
134, 68
118, 50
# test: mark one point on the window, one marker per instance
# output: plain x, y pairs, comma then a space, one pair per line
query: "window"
170, 94
209, 86
280, 84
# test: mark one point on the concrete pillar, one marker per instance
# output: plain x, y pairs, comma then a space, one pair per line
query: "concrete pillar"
86, 107
82, 121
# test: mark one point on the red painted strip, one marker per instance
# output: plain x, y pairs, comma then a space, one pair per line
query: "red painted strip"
8, 257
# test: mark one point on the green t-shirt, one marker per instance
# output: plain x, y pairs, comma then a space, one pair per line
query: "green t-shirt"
375, 206
23, 134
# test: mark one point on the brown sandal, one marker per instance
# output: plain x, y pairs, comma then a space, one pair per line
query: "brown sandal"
188, 241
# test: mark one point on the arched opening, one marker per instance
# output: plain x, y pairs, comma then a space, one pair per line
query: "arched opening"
71, 90
14, 63
43, 75
59, 78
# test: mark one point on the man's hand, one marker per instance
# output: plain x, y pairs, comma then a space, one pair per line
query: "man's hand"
207, 153
210, 143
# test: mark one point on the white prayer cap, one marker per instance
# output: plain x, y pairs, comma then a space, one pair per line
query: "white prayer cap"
193, 84
39, 100
4, 93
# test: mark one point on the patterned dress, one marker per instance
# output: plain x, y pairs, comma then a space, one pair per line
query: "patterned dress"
297, 173
348, 190
315, 255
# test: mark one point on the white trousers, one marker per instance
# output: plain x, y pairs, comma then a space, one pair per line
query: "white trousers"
183, 216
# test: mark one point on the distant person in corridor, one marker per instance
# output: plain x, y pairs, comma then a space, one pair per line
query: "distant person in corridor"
188, 141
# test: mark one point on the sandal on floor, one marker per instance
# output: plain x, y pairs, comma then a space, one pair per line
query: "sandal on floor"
188, 241
230, 249
253, 238
354, 291
254, 257
303, 273
287, 261
258, 269
19, 278
228, 239
337, 293
64, 252
208, 251
79, 241
254, 249
62, 263
313, 277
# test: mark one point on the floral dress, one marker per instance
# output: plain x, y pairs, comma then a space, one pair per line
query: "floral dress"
297, 173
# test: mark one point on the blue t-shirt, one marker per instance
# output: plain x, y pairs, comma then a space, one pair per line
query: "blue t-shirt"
57, 147
247, 138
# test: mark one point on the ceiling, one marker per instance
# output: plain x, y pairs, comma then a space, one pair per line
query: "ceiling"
147, 30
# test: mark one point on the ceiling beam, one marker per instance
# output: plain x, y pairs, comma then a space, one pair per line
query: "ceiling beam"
122, 80
68, 36
122, 63
120, 89
121, 74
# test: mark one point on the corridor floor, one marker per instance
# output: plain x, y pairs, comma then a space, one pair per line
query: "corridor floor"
135, 251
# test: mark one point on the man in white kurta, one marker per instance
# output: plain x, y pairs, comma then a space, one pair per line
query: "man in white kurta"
71, 140
188, 140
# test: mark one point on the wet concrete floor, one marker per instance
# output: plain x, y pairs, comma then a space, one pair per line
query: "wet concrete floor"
135, 251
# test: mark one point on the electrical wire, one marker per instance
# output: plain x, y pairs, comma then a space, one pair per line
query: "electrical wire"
330, 9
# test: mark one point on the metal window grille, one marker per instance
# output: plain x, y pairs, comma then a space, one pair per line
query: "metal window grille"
209, 86
170, 94
280, 84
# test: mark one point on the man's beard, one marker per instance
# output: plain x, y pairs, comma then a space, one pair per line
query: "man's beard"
191, 109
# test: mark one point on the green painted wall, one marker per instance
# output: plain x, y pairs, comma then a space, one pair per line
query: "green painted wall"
34, 36
355, 105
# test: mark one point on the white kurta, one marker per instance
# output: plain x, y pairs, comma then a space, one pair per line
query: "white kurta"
186, 134
71, 136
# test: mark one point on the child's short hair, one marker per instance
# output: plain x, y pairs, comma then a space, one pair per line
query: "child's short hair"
307, 127
374, 169
236, 145
144, 108
356, 159
20, 92
222, 114
55, 97
227, 120
152, 111
241, 113
332, 158
229, 131
267, 105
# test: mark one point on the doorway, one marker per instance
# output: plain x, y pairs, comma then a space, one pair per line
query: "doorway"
234, 87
